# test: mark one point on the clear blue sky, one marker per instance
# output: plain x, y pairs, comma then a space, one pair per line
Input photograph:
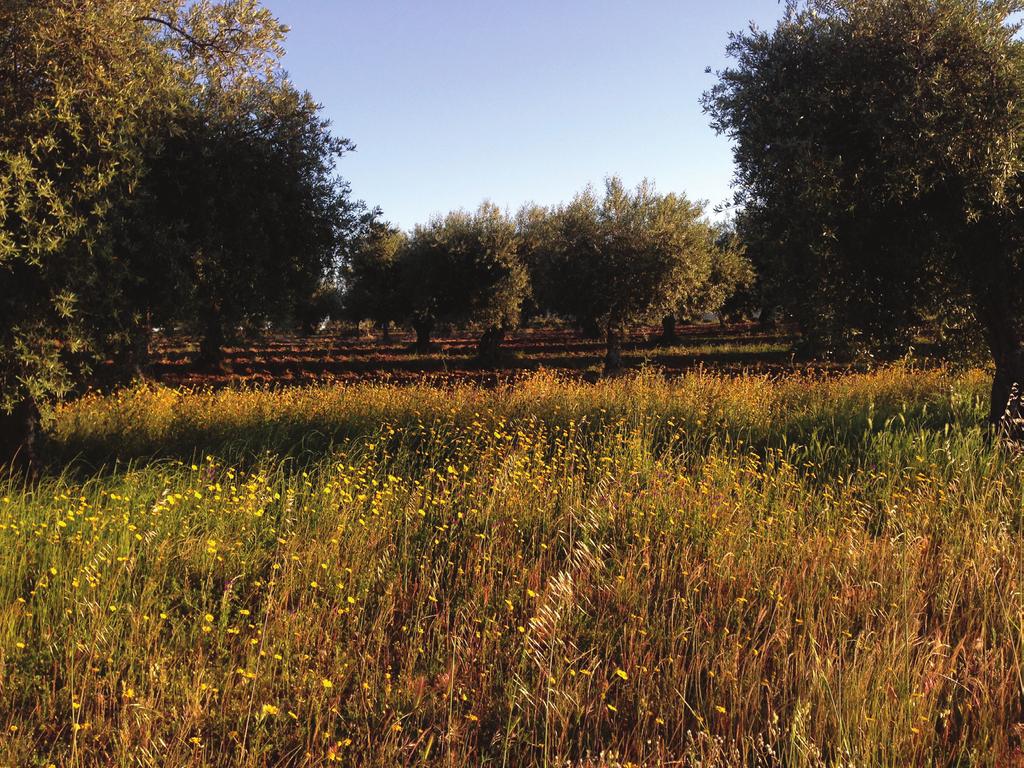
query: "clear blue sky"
454, 101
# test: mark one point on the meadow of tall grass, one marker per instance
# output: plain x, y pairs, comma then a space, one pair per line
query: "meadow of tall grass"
707, 571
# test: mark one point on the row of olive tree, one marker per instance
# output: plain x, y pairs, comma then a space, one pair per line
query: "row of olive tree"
156, 169
626, 257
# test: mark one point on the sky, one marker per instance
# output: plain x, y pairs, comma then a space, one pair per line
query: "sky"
451, 102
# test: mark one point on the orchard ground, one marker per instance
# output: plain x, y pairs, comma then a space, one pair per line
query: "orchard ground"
745, 562
351, 355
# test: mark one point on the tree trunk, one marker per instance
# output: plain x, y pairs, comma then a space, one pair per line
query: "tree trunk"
130, 360
668, 336
613, 351
424, 329
1006, 406
138, 358
211, 346
996, 305
590, 328
20, 436
488, 351
769, 318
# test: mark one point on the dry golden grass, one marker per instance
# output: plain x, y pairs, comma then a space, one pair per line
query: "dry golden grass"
712, 571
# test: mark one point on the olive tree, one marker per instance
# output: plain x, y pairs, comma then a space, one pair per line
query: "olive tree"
729, 272
250, 212
878, 146
625, 257
371, 275
465, 267
85, 88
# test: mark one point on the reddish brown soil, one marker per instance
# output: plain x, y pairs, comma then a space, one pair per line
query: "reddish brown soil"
292, 359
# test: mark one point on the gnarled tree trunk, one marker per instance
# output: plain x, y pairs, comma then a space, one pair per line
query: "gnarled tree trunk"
130, 360
20, 436
424, 329
613, 348
768, 318
137, 356
488, 351
668, 336
1006, 406
997, 305
211, 345
1007, 410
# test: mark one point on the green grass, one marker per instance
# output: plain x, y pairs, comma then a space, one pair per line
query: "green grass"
713, 570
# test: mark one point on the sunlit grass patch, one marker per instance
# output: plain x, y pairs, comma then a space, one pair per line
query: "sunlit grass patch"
790, 571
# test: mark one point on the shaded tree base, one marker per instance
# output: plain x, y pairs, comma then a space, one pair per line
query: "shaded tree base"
210, 356
668, 336
591, 329
1009, 421
613, 354
488, 351
1006, 405
20, 438
424, 332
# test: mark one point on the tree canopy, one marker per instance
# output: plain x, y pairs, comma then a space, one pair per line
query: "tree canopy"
878, 154
465, 267
89, 91
371, 274
622, 258
616, 260
248, 211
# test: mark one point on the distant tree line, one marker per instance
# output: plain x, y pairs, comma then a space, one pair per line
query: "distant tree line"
603, 261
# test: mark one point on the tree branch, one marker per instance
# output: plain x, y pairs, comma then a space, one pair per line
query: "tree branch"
192, 40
